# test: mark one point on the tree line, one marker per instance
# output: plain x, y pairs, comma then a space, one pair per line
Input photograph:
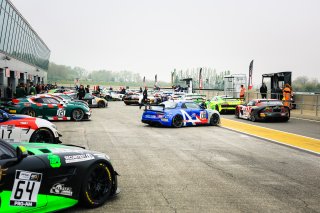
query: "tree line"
304, 84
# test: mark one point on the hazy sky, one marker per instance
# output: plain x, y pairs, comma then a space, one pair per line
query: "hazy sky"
154, 37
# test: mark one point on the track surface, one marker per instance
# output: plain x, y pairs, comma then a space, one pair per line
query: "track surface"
195, 169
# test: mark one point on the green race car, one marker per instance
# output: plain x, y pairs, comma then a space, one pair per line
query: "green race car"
48, 107
224, 103
38, 177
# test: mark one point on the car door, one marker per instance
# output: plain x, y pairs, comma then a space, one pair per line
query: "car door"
53, 108
22, 182
196, 113
90, 99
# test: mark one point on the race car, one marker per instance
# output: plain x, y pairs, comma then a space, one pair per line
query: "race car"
263, 109
94, 101
37, 177
48, 107
224, 103
178, 114
14, 128
131, 98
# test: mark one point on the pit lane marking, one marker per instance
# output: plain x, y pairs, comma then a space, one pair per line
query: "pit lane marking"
290, 139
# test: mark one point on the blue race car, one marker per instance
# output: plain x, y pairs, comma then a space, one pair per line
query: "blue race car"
178, 114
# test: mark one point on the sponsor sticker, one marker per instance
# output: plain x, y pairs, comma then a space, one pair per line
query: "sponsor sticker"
60, 189
78, 158
54, 161
61, 112
25, 188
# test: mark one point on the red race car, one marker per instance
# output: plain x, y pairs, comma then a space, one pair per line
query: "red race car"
24, 128
263, 109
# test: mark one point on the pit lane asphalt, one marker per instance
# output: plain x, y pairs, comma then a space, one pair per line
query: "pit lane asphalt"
195, 169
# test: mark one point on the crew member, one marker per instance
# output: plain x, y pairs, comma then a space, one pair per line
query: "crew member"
242, 92
144, 97
81, 92
263, 91
287, 94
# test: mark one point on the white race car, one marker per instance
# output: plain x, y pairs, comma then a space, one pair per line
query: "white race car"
23, 128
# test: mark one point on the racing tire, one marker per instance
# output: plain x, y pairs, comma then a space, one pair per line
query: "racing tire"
42, 135
96, 186
101, 104
214, 120
29, 111
237, 113
77, 114
177, 121
253, 118
286, 119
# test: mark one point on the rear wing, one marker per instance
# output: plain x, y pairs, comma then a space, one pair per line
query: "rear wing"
149, 106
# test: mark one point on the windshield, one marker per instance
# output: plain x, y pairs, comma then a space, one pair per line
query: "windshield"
271, 103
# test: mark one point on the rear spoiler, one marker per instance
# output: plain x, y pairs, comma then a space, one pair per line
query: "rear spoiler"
148, 106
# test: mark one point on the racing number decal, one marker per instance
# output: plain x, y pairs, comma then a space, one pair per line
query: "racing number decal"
61, 112
25, 188
203, 114
6, 131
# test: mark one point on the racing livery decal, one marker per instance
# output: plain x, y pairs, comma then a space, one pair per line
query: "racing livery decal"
60, 189
25, 188
78, 158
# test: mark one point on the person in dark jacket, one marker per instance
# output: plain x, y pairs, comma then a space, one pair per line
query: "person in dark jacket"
263, 91
9, 92
88, 89
81, 92
20, 91
144, 97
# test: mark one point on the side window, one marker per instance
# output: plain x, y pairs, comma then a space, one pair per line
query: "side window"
192, 105
183, 106
251, 103
38, 100
88, 96
53, 101
6, 153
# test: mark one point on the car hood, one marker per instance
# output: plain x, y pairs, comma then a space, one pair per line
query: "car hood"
47, 149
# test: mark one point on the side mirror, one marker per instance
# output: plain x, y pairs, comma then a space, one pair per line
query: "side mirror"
21, 153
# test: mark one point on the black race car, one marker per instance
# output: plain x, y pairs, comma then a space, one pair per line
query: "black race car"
38, 177
263, 109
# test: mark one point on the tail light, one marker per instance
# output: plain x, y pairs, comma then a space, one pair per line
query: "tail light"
159, 115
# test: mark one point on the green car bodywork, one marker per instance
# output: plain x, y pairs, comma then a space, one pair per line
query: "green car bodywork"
223, 103
48, 107
195, 97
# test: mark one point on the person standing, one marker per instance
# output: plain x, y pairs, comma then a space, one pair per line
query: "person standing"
144, 97
9, 92
20, 91
32, 90
88, 89
81, 92
263, 91
242, 92
287, 94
